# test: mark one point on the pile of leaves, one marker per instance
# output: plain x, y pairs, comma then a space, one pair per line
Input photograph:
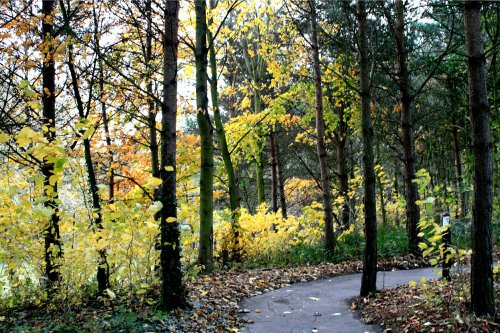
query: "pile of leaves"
214, 300
428, 306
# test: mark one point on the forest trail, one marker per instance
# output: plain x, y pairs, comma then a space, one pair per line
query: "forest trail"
322, 306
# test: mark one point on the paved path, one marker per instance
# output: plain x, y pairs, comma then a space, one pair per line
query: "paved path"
321, 306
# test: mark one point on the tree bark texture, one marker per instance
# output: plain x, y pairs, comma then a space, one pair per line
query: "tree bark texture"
342, 171
482, 293
381, 190
281, 182
53, 247
205, 254
259, 158
412, 210
274, 172
320, 132
173, 292
369, 276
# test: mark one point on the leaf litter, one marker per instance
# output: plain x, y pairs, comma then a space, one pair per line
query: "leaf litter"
213, 298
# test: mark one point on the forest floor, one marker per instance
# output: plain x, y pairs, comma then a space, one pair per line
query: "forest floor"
214, 299
428, 306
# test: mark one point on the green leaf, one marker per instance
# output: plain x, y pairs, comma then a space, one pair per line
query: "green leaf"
58, 166
88, 133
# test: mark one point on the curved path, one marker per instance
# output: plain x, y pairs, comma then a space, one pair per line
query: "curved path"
322, 306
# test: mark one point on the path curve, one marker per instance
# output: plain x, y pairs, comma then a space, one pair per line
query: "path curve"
322, 306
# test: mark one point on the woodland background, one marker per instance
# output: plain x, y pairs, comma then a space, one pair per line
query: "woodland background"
101, 148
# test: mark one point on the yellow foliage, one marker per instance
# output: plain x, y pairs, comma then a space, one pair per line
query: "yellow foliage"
265, 233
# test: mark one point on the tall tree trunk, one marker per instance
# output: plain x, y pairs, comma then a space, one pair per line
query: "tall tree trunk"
342, 171
281, 183
274, 172
320, 132
482, 293
396, 188
153, 139
381, 190
369, 276
412, 210
259, 158
173, 293
234, 195
102, 264
206, 252
53, 248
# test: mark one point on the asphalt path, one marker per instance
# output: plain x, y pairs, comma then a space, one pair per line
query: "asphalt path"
322, 306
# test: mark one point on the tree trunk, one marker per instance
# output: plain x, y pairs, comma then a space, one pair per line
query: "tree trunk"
274, 172
396, 188
369, 276
259, 158
482, 293
102, 264
281, 183
53, 248
320, 132
153, 139
173, 293
342, 171
412, 210
206, 252
234, 195
381, 190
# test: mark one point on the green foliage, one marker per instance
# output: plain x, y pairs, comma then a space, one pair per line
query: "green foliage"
432, 232
391, 241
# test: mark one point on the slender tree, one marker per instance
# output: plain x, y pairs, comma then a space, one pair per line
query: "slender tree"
412, 210
205, 254
102, 264
232, 184
342, 169
274, 172
482, 293
320, 132
173, 293
53, 247
369, 277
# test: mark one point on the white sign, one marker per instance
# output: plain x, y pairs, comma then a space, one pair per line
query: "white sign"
446, 220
